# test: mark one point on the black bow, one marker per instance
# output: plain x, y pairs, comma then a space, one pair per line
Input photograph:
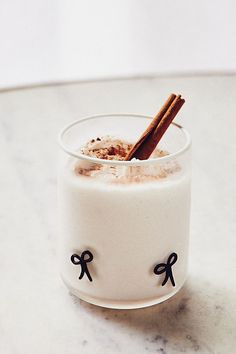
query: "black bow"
166, 267
82, 261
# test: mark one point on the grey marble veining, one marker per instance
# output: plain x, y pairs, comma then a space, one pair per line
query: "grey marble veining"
37, 314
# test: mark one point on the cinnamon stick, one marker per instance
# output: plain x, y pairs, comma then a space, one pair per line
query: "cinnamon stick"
153, 134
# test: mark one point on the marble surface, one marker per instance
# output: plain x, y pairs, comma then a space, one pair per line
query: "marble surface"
37, 314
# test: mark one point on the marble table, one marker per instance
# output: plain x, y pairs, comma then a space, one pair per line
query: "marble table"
37, 314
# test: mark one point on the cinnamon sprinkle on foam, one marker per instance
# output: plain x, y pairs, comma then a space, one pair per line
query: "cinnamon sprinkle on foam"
110, 148
107, 148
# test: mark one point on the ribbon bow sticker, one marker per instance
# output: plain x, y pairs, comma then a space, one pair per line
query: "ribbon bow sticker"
166, 268
82, 261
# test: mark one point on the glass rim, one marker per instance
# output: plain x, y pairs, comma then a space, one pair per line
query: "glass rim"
96, 160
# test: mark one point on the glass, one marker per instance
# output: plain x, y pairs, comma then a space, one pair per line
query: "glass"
124, 225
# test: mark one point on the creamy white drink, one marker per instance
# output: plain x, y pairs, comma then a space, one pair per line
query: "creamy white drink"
131, 220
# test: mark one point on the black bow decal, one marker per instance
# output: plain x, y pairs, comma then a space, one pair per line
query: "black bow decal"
82, 261
166, 268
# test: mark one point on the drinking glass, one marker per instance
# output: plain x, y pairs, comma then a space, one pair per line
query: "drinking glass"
124, 229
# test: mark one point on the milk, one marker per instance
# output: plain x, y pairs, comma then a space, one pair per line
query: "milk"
129, 228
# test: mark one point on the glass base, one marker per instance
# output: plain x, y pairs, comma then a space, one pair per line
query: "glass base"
121, 305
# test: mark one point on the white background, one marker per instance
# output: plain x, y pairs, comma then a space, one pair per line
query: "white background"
55, 40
